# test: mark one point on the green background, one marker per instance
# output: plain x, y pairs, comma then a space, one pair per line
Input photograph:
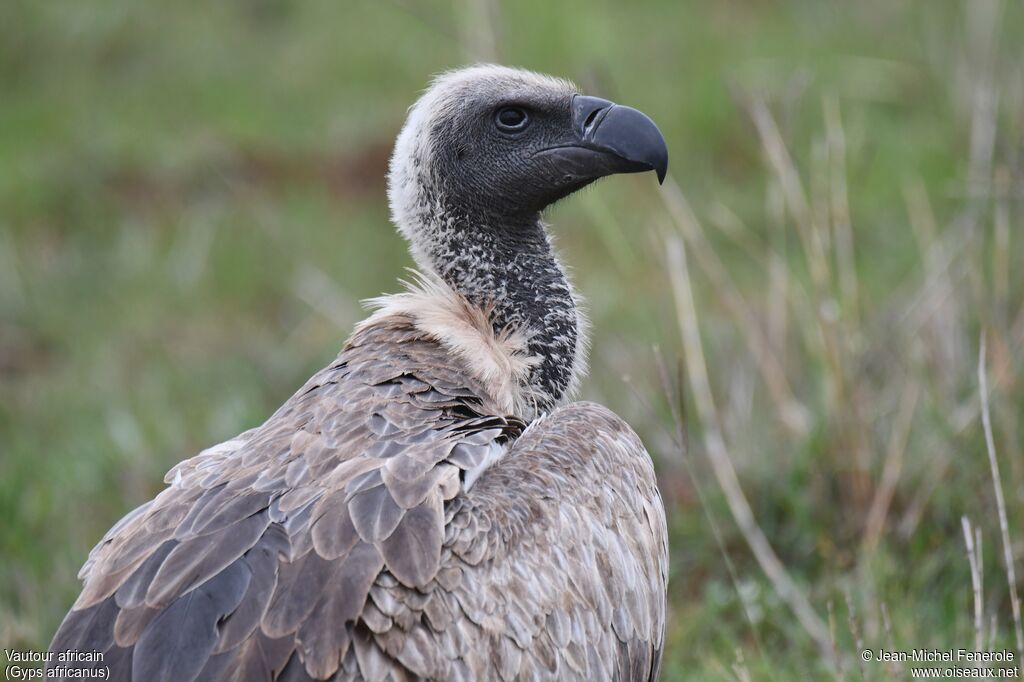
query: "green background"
192, 206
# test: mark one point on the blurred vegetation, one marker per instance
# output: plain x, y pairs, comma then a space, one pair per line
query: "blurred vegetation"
192, 205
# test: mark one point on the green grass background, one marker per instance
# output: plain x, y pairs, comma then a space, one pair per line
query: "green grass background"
192, 205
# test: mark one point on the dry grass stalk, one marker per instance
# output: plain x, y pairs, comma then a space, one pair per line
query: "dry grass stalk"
840, 677
767, 257
676, 407
982, 20
730, 225
1001, 248
321, 293
922, 217
842, 403
740, 667
879, 509
933, 298
792, 414
932, 318
933, 477
889, 639
993, 628
840, 208
820, 197
972, 540
479, 25
961, 418
793, 192
997, 482
855, 631
718, 454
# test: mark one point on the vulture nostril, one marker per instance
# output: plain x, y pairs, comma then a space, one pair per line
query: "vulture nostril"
590, 119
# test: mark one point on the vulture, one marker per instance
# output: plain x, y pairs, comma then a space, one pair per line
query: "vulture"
431, 505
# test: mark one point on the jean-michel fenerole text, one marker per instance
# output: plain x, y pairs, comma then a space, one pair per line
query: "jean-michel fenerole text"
944, 655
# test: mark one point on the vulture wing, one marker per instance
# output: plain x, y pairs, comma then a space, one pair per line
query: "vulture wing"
339, 540
554, 565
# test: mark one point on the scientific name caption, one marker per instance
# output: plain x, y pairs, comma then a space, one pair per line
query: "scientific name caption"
23, 664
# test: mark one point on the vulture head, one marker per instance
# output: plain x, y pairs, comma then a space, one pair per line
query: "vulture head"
482, 153
502, 143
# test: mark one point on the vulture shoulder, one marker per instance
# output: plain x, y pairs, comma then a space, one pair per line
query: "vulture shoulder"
389, 521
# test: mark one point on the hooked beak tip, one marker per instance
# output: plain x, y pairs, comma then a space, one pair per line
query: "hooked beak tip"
625, 132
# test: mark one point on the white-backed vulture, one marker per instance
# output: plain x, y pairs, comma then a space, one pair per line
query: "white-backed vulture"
429, 505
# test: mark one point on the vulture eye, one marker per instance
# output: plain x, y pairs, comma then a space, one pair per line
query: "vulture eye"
512, 119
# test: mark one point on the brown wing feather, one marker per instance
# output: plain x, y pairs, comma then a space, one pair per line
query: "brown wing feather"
337, 540
273, 540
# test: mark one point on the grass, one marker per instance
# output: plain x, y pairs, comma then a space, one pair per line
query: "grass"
192, 205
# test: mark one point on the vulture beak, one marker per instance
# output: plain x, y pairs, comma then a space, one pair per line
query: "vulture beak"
610, 138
